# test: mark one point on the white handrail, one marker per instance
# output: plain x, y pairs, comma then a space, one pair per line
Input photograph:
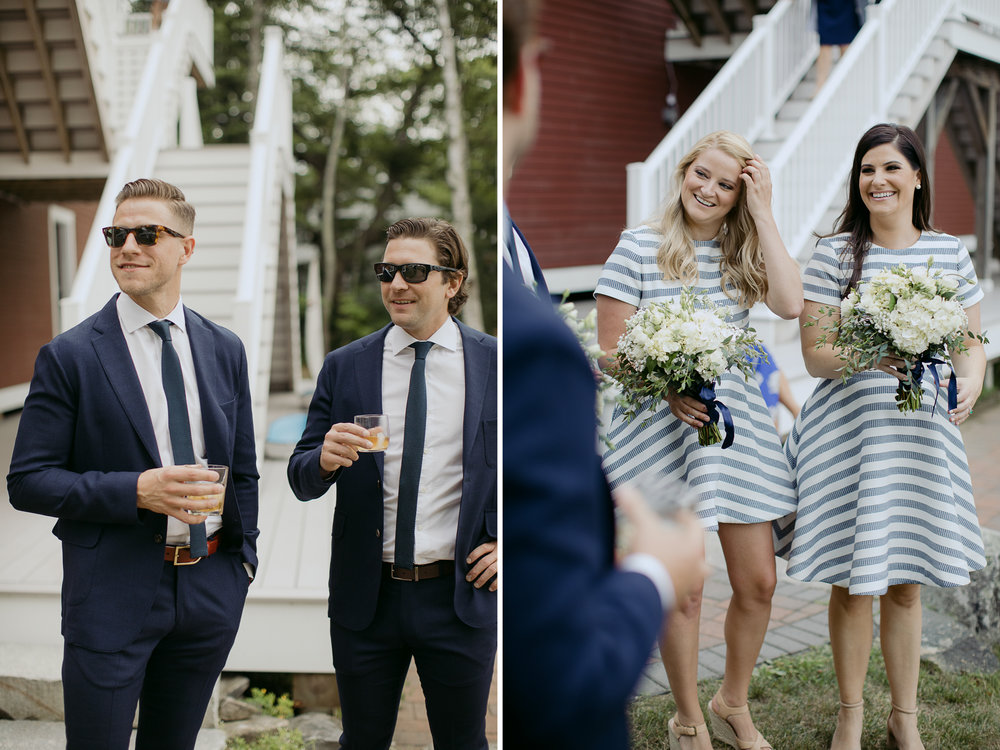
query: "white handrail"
774, 55
811, 164
149, 127
270, 159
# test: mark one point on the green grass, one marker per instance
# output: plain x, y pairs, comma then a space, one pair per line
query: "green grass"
794, 704
283, 739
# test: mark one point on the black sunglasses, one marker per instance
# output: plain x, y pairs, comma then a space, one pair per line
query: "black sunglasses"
147, 234
412, 273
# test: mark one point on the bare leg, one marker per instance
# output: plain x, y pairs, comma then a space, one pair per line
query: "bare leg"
901, 617
824, 62
851, 628
679, 652
749, 552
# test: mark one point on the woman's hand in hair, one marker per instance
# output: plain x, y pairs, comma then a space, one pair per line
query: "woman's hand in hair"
757, 181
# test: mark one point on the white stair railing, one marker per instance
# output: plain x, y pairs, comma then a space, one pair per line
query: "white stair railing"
270, 177
743, 97
809, 168
158, 102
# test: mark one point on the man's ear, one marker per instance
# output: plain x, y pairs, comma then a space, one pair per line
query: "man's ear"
188, 243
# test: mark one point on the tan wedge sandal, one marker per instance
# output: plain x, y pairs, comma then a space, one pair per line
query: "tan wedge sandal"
726, 732
676, 730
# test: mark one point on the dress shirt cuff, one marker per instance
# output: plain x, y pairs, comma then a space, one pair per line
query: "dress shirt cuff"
654, 570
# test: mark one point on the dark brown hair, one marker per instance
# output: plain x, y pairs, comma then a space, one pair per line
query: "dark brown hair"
855, 219
446, 242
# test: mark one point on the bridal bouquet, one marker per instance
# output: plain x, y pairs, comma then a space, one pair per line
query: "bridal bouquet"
683, 345
913, 313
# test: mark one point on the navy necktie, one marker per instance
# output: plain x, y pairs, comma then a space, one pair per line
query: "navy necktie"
177, 419
413, 449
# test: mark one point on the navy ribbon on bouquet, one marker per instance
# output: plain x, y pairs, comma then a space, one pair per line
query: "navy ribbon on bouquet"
715, 407
932, 363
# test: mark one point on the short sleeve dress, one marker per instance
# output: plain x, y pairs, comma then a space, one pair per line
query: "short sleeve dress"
884, 496
750, 481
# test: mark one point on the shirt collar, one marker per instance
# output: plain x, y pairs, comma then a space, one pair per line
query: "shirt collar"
133, 317
447, 336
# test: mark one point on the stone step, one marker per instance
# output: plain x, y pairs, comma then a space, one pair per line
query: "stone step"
31, 686
31, 682
51, 735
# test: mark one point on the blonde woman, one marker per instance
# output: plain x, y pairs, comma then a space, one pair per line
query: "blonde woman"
717, 234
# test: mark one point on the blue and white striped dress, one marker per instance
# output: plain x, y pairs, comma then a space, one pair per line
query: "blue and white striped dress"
884, 496
749, 482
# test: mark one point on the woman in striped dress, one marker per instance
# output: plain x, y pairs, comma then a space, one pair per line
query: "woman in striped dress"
718, 235
885, 501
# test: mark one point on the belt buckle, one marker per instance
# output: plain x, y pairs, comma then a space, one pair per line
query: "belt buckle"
406, 573
192, 561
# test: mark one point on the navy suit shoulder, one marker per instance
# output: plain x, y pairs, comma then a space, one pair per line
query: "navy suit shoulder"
578, 630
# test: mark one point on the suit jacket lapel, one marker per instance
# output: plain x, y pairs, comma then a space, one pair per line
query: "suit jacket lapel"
476, 372
368, 381
116, 360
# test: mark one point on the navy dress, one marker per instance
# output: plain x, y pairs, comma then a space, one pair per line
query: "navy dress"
836, 21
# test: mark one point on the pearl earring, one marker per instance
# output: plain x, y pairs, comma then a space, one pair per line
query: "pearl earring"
918, 186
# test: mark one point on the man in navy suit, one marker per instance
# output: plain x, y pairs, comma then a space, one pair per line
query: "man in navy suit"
142, 618
579, 624
435, 603
521, 103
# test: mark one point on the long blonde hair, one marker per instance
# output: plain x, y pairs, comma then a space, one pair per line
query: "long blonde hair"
743, 276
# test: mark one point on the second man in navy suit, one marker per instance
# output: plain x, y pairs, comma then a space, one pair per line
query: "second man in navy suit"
413, 568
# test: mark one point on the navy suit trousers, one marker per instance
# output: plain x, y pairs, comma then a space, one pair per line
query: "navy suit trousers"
170, 669
454, 661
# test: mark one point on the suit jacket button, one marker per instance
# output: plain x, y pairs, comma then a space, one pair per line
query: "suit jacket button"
378, 532
158, 538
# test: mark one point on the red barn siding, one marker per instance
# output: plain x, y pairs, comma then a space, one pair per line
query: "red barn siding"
24, 289
604, 85
954, 207
25, 286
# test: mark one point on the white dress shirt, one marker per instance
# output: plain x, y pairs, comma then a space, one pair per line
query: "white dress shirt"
146, 349
523, 256
440, 491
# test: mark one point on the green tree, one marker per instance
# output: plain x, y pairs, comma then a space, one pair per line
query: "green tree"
368, 130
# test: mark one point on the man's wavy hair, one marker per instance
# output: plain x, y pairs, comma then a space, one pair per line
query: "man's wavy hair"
446, 242
146, 187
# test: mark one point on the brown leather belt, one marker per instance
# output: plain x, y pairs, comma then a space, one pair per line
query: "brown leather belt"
419, 572
182, 555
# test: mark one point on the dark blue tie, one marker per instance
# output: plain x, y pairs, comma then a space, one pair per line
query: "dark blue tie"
413, 449
177, 418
